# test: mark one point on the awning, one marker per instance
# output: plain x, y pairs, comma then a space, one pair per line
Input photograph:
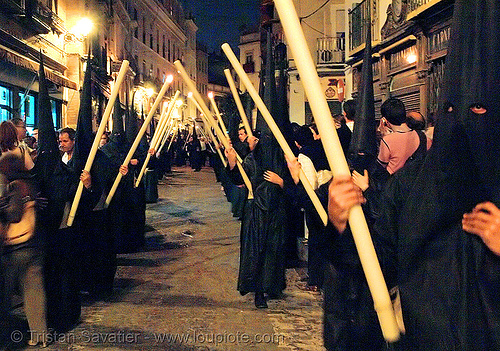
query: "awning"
17, 59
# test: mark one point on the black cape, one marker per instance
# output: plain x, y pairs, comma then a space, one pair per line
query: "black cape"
262, 259
449, 280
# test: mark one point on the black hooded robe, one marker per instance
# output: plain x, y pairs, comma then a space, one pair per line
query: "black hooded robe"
262, 256
448, 279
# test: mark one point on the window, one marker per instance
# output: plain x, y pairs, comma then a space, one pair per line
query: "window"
56, 113
27, 108
163, 46
249, 57
144, 30
157, 41
5, 103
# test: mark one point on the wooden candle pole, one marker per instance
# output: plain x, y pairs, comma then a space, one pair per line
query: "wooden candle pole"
97, 139
138, 138
217, 113
165, 136
167, 122
322, 116
205, 110
225, 141
176, 130
274, 128
237, 100
164, 119
216, 143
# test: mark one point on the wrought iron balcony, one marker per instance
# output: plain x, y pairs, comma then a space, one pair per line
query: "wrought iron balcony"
418, 7
358, 24
37, 15
331, 50
415, 4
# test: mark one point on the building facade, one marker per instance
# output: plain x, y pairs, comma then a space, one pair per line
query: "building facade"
409, 41
151, 34
409, 49
30, 30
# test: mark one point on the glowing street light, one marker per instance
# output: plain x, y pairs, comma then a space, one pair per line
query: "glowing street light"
82, 28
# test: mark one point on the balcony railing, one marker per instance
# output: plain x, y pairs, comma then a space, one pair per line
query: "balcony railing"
416, 7
358, 24
37, 15
415, 4
331, 50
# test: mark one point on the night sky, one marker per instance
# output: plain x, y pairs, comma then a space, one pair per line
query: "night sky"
219, 21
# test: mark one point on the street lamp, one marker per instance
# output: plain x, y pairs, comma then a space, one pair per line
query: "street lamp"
83, 27
79, 31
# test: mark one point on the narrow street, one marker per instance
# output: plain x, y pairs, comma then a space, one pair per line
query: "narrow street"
179, 292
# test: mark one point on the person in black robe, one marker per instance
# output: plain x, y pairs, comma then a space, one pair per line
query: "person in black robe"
56, 185
126, 212
448, 278
262, 257
313, 151
194, 150
94, 249
438, 235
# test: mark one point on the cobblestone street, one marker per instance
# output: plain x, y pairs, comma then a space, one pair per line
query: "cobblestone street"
179, 292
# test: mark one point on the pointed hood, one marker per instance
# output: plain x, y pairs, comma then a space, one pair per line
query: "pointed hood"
118, 132
131, 128
267, 87
194, 134
462, 169
84, 135
116, 148
363, 146
48, 149
281, 116
47, 141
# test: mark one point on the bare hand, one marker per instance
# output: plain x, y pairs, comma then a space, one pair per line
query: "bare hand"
123, 170
152, 151
484, 221
86, 179
342, 195
231, 157
252, 142
362, 181
294, 168
273, 178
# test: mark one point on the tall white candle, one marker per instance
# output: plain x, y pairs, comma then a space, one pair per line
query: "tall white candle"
138, 138
274, 129
100, 131
244, 175
158, 135
237, 100
322, 116
216, 143
217, 113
